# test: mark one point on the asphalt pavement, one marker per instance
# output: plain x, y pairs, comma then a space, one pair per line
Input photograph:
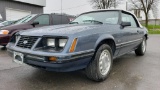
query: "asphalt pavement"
130, 72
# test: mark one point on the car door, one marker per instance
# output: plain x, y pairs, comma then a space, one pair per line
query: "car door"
130, 34
43, 20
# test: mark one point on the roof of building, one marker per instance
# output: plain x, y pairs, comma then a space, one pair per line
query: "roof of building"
33, 2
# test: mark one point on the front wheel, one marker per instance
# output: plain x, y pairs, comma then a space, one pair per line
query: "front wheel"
99, 68
140, 51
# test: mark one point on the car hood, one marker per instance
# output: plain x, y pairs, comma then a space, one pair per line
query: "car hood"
13, 27
59, 30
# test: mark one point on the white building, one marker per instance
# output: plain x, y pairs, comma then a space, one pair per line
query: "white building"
16, 9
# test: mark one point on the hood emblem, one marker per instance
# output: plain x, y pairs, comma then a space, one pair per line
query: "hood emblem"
25, 42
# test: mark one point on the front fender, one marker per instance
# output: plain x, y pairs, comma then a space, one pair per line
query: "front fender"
103, 37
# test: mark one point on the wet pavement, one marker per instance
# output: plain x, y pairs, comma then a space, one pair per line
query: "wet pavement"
129, 72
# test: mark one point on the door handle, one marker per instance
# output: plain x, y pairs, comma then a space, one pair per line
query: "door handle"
138, 31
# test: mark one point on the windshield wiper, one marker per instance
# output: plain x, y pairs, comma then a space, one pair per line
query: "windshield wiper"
73, 23
93, 21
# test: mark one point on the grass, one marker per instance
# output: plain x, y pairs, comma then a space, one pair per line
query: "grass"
153, 29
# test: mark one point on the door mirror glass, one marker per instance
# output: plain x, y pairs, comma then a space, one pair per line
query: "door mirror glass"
35, 23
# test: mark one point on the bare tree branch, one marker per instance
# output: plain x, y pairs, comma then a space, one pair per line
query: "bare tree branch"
104, 4
145, 6
135, 5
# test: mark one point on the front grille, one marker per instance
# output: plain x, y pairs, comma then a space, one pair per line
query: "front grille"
26, 41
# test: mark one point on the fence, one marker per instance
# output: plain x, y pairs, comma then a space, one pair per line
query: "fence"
151, 22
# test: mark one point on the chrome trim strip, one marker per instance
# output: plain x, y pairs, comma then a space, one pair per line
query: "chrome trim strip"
81, 52
77, 57
34, 57
128, 42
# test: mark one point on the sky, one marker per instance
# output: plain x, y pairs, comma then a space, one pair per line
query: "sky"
72, 7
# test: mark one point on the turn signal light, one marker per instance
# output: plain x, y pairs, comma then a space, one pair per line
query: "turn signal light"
73, 46
52, 58
5, 32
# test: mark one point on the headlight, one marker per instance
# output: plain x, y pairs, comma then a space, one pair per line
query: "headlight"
51, 42
56, 42
5, 32
62, 42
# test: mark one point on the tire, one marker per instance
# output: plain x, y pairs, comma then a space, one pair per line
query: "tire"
140, 51
98, 70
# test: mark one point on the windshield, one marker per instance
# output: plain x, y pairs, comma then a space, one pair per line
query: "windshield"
25, 19
5, 23
110, 17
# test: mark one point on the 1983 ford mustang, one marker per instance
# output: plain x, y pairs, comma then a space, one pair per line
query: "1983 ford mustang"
90, 42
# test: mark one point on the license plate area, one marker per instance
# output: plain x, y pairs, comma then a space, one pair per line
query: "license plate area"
18, 57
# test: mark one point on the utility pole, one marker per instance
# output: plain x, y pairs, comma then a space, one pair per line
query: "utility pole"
115, 4
61, 6
61, 10
126, 5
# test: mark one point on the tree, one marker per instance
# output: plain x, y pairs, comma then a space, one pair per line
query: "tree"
145, 6
105, 4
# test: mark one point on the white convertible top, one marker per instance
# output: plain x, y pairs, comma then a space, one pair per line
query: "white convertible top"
115, 10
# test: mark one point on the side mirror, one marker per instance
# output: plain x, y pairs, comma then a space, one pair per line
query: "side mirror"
35, 23
125, 24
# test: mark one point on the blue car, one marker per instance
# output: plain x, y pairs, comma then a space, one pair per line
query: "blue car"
89, 43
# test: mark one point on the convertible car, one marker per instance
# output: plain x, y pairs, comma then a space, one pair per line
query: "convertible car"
89, 43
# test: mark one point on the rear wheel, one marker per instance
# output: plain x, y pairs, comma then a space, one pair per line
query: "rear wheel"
140, 51
100, 67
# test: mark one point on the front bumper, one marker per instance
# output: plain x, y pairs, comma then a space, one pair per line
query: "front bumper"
4, 39
64, 63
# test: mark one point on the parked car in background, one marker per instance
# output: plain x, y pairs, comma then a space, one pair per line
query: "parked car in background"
6, 23
90, 42
1, 24
31, 21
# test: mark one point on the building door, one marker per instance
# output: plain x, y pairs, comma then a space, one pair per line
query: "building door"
15, 14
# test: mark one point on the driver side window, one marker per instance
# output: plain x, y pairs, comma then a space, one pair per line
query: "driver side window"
43, 20
129, 18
